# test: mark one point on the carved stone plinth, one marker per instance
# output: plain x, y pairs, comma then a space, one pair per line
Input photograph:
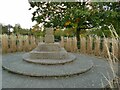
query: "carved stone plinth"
48, 47
62, 54
49, 39
49, 50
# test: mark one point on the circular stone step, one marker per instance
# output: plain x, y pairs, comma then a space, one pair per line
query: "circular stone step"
15, 64
71, 58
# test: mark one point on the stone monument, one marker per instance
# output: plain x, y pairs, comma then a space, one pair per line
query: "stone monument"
48, 59
49, 37
49, 52
46, 55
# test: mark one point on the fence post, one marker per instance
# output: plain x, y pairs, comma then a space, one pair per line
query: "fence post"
26, 43
68, 44
13, 43
70, 48
83, 45
105, 51
66, 41
119, 49
33, 44
114, 48
74, 44
0, 43
62, 41
4, 43
30, 42
97, 46
89, 45
19, 44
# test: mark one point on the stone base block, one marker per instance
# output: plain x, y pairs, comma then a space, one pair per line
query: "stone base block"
48, 47
71, 58
48, 55
49, 38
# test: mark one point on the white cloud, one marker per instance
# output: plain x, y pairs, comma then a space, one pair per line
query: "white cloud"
14, 12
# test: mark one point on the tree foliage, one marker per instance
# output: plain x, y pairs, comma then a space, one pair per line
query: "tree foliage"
78, 15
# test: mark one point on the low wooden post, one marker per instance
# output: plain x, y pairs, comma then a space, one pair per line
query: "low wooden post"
89, 45
115, 48
65, 43
19, 44
0, 43
83, 45
68, 44
62, 41
33, 42
70, 41
23, 43
105, 51
74, 44
13, 43
26, 43
30, 43
119, 49
4, 43
97, 46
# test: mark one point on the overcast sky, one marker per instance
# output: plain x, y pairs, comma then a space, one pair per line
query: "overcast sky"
15, 12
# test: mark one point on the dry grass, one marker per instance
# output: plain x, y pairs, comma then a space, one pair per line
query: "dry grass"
112, 59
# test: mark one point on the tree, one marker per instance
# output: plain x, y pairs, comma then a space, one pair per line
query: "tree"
17, 29
58, 13
36, 31
4, 29
76, 15
108, 14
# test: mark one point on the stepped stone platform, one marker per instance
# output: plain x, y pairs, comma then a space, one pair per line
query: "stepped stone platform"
49, 52
71, 58
93, 78
49, 59
30, 69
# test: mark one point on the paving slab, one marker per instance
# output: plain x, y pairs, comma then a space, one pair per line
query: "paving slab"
16, 64
70, 58
94, 78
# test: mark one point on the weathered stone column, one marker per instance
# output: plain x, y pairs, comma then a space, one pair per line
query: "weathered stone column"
49, 37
